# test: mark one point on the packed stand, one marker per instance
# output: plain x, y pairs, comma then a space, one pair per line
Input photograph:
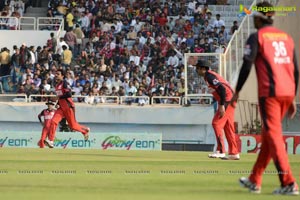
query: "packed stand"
117, 49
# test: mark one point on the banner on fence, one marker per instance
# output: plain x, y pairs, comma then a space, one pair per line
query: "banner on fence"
252, 143
68, 140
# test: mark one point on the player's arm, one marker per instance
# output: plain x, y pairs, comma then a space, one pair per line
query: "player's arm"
220, 89
250, 54
67, 89
213, 80
40, 117
296, 72
293, 108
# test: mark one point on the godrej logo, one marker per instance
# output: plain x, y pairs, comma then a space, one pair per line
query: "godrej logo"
115, 142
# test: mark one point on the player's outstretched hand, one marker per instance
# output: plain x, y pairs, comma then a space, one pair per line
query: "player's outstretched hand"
292, 110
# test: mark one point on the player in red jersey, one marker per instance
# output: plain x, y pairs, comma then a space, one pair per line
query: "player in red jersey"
66, 108
272, 50
47, 114
224, 117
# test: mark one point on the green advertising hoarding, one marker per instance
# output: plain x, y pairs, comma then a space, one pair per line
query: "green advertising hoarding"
68, 140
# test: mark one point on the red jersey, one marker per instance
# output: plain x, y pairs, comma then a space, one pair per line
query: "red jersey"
63, 91
47, 114
217, 82
275, 63
274, 55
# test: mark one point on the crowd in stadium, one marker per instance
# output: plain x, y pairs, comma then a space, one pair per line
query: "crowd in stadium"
117, 48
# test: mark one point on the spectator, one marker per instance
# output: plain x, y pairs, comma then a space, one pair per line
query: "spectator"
70, 39
142, 100
234, 27
66, 56
44, 87
131, 35
90, 98
70, 19
24, 56
60, 44
218, 22
5, 62
224, 34
207, 27
174, 11
130, 89
32, 58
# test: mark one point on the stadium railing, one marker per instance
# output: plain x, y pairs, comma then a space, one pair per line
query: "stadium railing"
134, 100
13, 98
202, 99
94, 100
165, 100
40, 98
27, 23
32, 23
77, 98
53, 23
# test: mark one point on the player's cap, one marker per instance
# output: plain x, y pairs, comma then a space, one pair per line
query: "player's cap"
49, 102
202, 64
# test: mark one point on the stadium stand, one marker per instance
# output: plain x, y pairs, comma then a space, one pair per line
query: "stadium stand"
115, 48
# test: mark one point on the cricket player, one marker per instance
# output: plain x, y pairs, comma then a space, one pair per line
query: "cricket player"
47, 114
272, 50
66, 108
224, 117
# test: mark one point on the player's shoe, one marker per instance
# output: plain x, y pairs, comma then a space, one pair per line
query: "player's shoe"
86, 135
49, 143
291, 189
232, 157
41, 144
253, 188
216, 154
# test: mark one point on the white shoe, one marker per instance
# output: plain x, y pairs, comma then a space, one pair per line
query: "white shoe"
86, 136
291, 189
234, 157
49, 143
246, 183
216, 154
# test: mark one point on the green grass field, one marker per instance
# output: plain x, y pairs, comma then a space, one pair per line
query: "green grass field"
97, 174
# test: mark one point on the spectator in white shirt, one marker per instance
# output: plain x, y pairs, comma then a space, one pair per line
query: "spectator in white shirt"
135, 58
60, 44
173, 60
218, 22
131, 89
118, 26
32, 59
90, 99
85, 21
191, 7
116, 82
136, 24
141, 38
